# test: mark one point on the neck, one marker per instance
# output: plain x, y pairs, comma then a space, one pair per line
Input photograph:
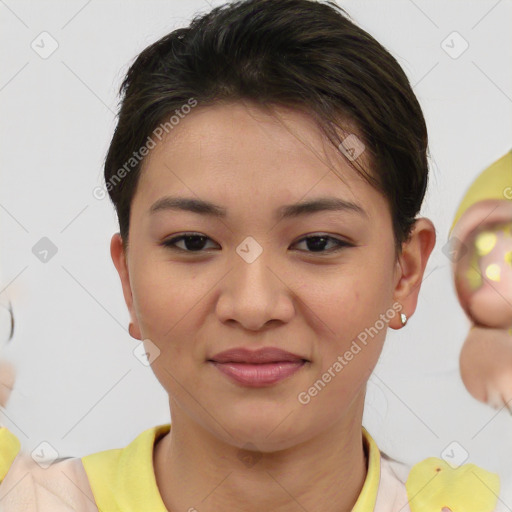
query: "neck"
193, 469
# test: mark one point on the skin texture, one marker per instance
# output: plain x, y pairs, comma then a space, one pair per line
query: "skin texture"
196, 304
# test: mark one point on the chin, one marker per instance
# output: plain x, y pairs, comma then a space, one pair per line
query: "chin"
269, 431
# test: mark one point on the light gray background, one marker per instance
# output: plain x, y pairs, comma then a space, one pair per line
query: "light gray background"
79, 386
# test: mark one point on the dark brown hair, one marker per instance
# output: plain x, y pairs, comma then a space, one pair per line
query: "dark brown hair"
303, 54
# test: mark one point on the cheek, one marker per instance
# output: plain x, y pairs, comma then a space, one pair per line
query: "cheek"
167, 300
164, 293
349, 300
355, 312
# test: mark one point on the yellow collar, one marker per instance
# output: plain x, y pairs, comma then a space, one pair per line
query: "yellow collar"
123, 479
368, 496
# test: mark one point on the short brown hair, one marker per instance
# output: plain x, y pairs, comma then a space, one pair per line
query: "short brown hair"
304, 54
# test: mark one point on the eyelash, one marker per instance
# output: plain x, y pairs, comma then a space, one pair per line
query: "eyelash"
341, 244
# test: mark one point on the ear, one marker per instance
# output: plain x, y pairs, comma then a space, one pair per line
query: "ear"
119, 257
410, 267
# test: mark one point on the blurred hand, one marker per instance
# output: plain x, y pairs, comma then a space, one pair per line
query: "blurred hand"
7, 378
7, 371
486, 366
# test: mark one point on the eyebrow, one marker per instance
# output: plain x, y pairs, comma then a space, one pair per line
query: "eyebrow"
207, 208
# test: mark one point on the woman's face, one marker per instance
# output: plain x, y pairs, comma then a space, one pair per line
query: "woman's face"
255, 280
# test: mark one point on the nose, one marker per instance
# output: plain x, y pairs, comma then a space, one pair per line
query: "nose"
255, 294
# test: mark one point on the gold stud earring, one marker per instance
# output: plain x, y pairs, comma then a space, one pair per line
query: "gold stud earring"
403, 318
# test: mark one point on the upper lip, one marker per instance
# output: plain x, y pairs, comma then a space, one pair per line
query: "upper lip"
262, 355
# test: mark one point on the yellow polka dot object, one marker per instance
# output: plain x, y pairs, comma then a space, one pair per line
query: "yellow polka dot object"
494, 182
491, 258
435, 486
483, 276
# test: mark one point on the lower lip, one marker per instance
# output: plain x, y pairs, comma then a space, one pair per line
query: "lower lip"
259, 375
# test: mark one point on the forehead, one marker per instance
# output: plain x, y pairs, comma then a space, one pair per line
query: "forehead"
240, 152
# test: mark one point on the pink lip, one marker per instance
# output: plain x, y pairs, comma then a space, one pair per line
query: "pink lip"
262, 355
257, 368
259, 375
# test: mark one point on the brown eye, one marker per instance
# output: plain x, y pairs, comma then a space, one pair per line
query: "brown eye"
317, 243
193, 242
